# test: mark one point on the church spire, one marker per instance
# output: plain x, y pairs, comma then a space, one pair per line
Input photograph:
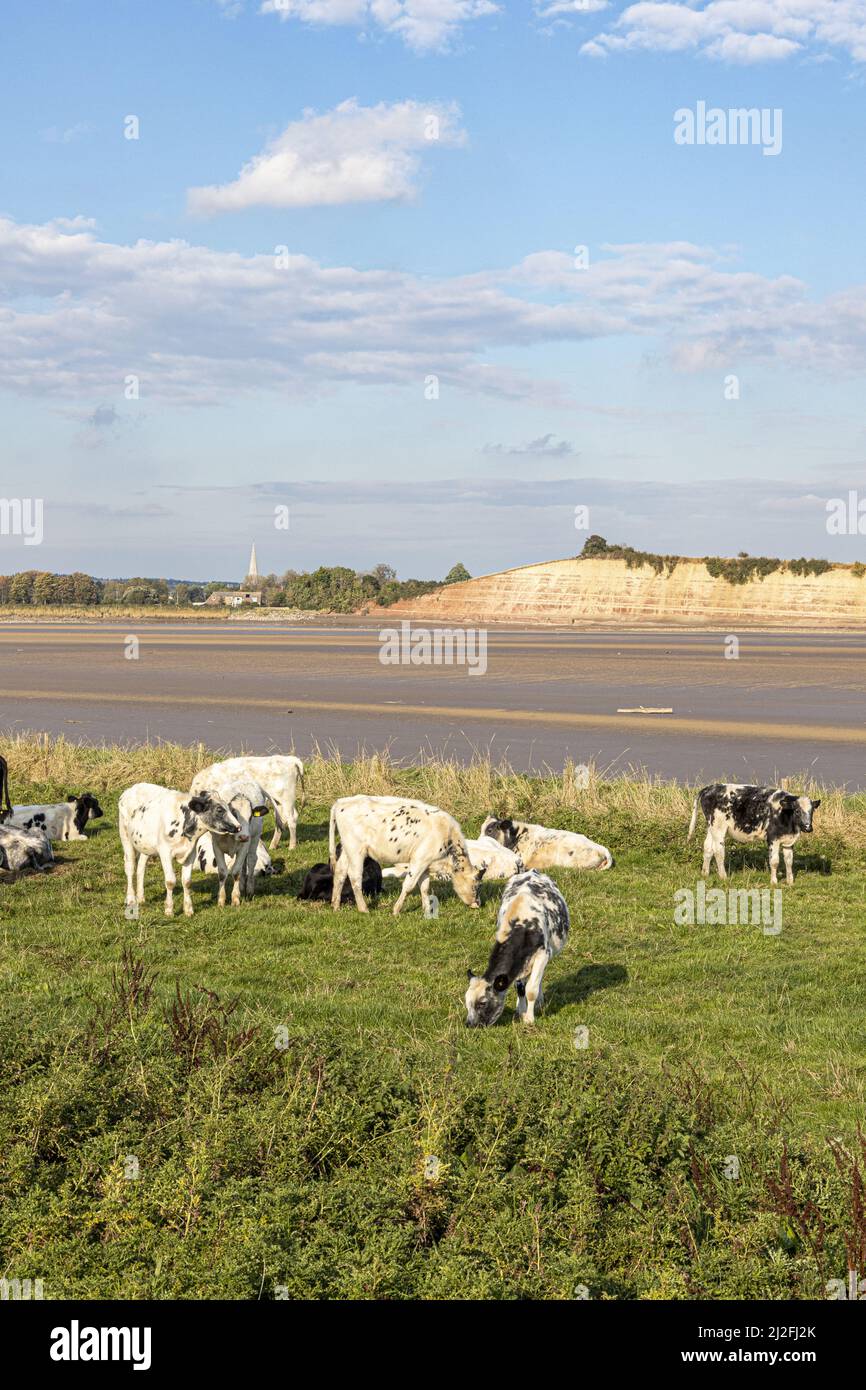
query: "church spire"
253, 570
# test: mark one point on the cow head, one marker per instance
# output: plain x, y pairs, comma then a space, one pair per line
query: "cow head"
86, 808
803, 813
485, 1000
504, 831
210, 813
465, 878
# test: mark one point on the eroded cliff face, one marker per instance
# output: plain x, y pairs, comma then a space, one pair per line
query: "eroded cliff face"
607, 591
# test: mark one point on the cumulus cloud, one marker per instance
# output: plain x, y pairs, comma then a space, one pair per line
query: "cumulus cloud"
353, 154
424, 25
79, 314
738, 31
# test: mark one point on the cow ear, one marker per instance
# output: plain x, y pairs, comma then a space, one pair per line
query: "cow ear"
816, 804
470, 977
198, 803
500, 984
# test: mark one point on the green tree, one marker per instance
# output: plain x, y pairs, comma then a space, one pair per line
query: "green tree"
457, 574
21, 587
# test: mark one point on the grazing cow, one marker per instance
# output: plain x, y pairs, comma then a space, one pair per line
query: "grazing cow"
249, 805
205, 858
486, 855
318, 885
393, 830
540, 848
24, 849
279, 775
61, 820
752, 813
531, 928
5, 810
158, 821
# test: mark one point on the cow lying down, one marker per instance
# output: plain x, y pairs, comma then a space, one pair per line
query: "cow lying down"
540, 848
24, 849
60, 820
752, 813
318, 884
531, 928
206, 859
487, 856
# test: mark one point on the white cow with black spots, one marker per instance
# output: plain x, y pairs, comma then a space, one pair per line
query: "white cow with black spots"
158, 821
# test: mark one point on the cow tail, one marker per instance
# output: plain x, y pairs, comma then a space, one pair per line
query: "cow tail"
694, 819
303, 801
332, 840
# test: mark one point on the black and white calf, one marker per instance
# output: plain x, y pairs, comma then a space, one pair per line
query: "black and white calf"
543, 848
236, 853
752, 813
157, 821
531, 928
61, 820
24, 849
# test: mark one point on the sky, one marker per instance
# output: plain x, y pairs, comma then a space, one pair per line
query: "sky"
431, 275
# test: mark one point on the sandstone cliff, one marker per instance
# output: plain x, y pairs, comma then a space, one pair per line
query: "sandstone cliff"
607, 591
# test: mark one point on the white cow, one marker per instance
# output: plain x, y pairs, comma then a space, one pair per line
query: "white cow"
277, 774
487, 856
541, 848
155, 820
235, 854
393, 830
61, 820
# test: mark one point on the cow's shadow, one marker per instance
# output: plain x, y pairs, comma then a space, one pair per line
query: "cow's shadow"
742, 857
574, 989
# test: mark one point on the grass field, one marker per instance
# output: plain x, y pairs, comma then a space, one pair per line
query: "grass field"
275, 1101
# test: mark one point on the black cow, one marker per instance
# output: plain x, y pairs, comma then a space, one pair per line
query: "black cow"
318, 884
752, 813
5, 811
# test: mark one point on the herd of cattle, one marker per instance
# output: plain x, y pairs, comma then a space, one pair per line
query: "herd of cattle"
216, 827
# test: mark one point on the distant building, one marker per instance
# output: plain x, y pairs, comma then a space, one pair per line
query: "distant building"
252, 576
233, 598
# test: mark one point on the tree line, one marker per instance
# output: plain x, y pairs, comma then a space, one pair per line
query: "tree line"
336, 588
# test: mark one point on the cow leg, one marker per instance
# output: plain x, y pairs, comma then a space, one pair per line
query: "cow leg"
356, 878
238, 869
167, 863
533, 995
413, 877
719, 855
142, 865
774, 861
424, 888
342, 871
129, 866
278, 828
222, 871
186, 879
708, 852
788, 853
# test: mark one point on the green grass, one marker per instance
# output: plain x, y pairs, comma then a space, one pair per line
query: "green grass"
300, 1167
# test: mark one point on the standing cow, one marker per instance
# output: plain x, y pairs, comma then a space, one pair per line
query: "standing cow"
279, 775
155, 820
393, 830
235, 853
531, 928
752, 813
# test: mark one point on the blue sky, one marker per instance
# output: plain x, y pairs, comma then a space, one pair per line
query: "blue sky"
409, 258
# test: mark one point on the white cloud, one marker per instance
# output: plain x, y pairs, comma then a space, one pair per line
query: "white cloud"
78, 315
738, 31
424, 25
353, 154
546, 446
